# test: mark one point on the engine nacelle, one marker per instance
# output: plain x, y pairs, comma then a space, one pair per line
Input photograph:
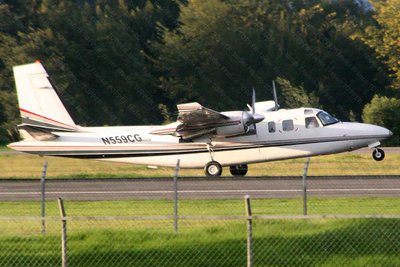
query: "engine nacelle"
240, 122
232, 130
235, 125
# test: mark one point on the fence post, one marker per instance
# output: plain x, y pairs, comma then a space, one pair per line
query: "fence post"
176, 196
42, 182
305, 186
64, 233
249, 232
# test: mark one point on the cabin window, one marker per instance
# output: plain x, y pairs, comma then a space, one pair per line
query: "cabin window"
326, 119
271, 127
311, 122
308, 112
287, 125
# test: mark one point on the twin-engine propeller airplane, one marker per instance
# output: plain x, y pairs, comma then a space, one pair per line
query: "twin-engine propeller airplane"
201, 137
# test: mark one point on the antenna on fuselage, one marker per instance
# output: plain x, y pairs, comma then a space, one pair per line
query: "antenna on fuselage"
275, 96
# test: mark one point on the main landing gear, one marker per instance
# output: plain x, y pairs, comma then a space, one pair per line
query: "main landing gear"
378, 154
213, 168
238, 170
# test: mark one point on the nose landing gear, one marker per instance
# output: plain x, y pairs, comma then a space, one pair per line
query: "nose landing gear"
378, 154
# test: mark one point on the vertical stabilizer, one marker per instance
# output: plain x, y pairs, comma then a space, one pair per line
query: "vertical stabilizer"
39, 103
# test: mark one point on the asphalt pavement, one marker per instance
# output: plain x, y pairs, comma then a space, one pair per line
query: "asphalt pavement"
201, 188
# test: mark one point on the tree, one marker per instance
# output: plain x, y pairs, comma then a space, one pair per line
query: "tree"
295, 97
225, 48
384, 36
98, 54
385, 112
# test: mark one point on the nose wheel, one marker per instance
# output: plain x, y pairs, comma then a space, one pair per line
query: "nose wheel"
378, 154
213, 168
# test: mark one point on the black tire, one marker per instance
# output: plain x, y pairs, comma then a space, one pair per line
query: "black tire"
213, 168
239, 170
378, 154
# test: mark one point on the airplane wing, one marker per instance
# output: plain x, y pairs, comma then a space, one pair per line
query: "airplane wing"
193, 115
194, 120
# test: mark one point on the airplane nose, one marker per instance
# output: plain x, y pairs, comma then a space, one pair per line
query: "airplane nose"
383, 131
368, 129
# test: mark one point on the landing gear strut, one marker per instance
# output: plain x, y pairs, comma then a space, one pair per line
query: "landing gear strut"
378, 154
213, 168
238, 170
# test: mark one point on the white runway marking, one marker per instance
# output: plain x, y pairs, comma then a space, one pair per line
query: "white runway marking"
207, 191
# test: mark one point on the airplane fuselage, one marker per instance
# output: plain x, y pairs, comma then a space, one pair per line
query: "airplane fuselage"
201, 137
283, 134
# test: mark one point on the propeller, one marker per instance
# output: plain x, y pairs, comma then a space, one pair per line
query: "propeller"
253, 118
275, 97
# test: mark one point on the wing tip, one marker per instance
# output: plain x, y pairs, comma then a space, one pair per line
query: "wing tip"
189, 106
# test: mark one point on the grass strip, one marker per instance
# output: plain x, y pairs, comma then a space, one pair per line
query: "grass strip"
316, 242
218, 207
31, 166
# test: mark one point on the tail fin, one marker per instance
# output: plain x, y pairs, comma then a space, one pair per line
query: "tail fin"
39, 103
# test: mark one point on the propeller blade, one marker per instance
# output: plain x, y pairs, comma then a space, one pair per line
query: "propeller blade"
253, 101
253, 118
250, 108
275, 97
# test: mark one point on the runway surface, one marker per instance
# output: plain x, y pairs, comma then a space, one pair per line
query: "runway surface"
201, 188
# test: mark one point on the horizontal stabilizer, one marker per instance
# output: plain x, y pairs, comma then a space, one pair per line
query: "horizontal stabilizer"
31, 132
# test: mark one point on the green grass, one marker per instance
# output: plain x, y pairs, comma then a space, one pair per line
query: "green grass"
333, 242
31, 166
316, 206
316, 242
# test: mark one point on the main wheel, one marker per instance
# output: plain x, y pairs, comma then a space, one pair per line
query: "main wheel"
213, 168
378, 154
239, 170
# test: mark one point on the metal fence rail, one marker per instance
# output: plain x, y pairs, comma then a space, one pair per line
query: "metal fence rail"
202, 241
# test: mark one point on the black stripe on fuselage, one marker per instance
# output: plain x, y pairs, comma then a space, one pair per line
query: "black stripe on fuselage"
150, 153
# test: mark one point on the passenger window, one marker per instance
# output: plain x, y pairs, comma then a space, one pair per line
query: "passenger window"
271, 127
311, 122
308, 112
287, 125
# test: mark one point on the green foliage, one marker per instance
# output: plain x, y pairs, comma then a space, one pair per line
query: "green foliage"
98, 54
384, 111
224, 48
295, 97
383, 36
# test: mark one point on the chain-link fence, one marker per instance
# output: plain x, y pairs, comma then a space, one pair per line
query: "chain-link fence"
203, 241
212, 231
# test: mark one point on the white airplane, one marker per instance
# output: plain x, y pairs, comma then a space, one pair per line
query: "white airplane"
200, 138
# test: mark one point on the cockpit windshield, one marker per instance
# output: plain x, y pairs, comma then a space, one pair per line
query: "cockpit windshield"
326, 119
